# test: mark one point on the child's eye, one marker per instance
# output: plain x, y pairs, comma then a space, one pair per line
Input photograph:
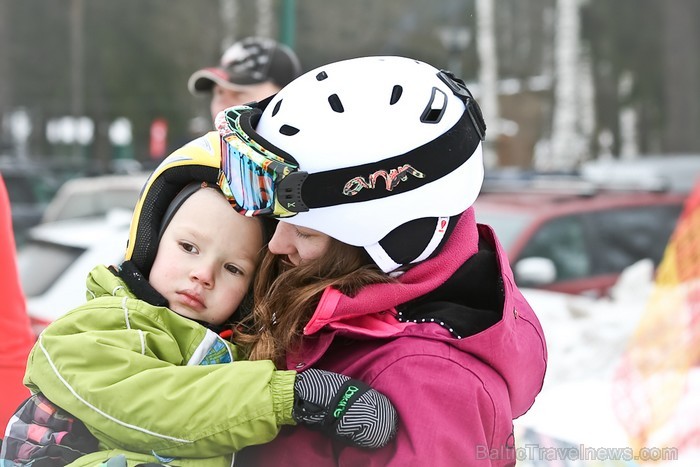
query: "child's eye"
233, 269
301, 234
188, 247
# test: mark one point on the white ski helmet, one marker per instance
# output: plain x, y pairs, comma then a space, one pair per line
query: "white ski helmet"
374, 143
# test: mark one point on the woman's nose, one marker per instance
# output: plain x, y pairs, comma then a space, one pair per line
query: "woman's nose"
280, 243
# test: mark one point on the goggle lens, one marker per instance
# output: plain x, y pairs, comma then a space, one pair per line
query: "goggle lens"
247, 183
249, 173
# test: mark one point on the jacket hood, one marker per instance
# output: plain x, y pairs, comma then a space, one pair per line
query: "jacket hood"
107, 280
467, 289
103, 280
414, 283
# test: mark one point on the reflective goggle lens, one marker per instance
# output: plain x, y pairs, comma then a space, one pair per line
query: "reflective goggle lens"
250, 186
249, 173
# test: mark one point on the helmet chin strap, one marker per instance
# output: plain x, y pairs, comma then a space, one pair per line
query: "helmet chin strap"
381, 258
387, 264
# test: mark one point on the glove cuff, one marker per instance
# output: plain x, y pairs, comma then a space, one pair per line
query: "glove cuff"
322, 398
347, 394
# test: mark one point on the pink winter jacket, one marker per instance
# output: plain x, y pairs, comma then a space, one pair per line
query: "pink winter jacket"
454, 346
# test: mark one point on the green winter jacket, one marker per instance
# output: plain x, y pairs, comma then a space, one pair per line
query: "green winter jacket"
146, 380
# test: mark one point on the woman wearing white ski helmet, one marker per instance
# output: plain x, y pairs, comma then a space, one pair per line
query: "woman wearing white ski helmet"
384, 153
400, 141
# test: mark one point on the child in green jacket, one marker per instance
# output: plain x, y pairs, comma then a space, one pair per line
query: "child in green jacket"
143, 363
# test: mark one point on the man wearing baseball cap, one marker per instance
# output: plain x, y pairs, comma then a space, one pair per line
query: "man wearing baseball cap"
250, 70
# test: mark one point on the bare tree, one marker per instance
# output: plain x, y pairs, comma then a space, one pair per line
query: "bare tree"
567, 145
229, 14
6, 87
682, 75
488, 76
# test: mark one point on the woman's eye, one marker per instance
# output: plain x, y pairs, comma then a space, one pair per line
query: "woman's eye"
301, 234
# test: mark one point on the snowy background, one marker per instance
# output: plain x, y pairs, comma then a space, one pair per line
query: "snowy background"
586, 339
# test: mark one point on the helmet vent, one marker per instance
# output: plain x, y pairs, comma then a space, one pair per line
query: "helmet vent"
335, 103
436, 107
321, 76
395, 94
288, 130
277, 107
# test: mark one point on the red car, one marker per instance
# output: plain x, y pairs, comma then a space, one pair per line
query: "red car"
579, 242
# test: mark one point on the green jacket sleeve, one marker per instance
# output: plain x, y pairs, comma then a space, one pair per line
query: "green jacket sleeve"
121, 366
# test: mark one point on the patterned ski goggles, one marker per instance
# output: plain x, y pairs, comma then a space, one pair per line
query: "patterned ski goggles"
253, 176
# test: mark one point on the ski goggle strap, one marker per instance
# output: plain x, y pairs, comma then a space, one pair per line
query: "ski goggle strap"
260, 179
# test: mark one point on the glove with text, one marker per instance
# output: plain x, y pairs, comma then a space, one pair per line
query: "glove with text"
345, 408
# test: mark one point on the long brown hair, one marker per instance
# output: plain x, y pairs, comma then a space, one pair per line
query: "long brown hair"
286, 296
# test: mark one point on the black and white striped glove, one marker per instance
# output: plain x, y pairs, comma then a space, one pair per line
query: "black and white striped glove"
345, 408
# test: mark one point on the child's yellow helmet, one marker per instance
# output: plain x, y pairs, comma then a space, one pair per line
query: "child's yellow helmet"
197, 161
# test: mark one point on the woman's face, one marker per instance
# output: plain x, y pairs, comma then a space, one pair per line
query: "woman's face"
299, 244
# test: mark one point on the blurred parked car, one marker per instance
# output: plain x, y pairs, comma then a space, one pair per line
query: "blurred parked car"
675, 173
575, 238
56, 257
29, 191
94, 196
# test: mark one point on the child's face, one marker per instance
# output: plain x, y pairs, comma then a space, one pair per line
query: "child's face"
206, 258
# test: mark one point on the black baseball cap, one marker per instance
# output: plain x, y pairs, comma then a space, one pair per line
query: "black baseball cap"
248, 62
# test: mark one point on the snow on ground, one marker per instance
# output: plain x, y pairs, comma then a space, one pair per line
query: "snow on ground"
585, 336
586, 339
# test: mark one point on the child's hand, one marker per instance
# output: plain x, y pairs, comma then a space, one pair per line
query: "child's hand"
345, 408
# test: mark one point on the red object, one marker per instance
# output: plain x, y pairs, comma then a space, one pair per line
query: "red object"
16, 337
590, 236
159, 138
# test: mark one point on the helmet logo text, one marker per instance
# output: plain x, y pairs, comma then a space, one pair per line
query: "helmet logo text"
391, 179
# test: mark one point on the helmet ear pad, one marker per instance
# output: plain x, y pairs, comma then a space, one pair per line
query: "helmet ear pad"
408, 241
